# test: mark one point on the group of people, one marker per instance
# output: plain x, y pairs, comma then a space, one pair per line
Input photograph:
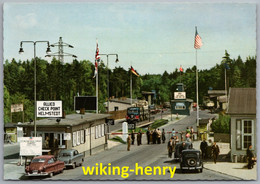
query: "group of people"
153, 137
214, 150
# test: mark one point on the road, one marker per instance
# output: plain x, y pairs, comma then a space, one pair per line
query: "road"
144, 155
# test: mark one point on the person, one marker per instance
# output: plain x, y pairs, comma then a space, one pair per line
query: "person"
56, 148
151, 137
140, 131
215, 152
154, 136
46, 142
182, 147
191, 133
188, 130
138, 139
188, 137
158, 136
250, 157
173, 133
128, 142
203, 148
133, 137
170, 148
148, 136
163, 135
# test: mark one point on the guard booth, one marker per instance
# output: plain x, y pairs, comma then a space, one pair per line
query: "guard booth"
180, 104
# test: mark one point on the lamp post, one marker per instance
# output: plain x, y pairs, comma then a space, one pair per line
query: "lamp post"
48, 51
108, 76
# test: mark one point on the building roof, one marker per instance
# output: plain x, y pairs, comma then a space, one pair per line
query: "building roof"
70, 120
123, 100
242, 101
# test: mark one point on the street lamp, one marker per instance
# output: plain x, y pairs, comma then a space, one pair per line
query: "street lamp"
108, 76
48, 51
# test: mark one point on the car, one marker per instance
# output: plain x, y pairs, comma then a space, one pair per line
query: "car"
190, 160
45, 165
177, 151
71, 157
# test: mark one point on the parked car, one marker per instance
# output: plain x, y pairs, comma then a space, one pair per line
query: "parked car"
71, 157
177, 151
190, 160
44, 165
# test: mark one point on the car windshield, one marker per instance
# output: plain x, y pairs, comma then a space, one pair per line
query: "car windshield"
133, 111
38, 160
65, 154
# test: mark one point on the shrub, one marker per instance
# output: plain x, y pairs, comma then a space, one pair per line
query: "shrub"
222, 124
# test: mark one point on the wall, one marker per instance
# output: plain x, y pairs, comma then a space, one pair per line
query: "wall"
221, 137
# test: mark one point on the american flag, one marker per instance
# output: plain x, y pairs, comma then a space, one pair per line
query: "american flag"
198, 41
97, 59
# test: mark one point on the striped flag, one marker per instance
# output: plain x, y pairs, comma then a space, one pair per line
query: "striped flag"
181, 69
134, 72
97, 59
198, 41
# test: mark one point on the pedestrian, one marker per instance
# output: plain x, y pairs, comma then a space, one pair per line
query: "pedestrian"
188, 130
215, 152
163, 135
154, 136
203, 148
140, 131
158, 136
182, 147
148, 136
250, 157
133, 137
173, 133
151, 137
138, 139
188, 137
170, 148
128, 142
191, 133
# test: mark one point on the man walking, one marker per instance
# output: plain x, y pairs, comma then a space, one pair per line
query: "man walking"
203, 148
215, 152
250, 157
170, 148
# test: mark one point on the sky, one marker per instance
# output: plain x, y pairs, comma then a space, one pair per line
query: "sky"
152, 37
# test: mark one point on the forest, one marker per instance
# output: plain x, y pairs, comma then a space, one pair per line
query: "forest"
63, 81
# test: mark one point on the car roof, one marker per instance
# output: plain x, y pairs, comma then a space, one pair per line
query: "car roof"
68, 150
190, 150
44, 156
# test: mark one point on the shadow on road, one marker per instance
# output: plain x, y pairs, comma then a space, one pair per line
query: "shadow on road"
13, 156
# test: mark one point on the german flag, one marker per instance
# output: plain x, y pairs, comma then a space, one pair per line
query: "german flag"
134, 72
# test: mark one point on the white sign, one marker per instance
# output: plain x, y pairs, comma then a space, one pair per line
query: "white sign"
49, 109
17, 108
179, 95
30, 146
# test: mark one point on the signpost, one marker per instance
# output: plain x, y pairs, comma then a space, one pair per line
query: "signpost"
179, 95
30, 146
49, 109
17, 108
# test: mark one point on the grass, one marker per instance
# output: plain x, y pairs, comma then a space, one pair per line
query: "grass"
158, 123
118, 139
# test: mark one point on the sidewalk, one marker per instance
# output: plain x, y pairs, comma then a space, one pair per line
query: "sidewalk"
238, 170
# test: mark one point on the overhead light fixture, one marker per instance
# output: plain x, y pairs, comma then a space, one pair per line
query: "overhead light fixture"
48, 51
21, 50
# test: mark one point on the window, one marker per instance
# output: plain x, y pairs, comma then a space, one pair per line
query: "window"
180, 106
74, 138
244, 134
99, 130
96, 136
82, 136
103, 130
50, 161
78, 137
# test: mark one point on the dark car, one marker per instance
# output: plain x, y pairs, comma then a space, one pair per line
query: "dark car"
177, 150
190, 160
71, 157
44, 165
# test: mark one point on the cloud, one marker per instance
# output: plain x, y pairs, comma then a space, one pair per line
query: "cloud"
26, 21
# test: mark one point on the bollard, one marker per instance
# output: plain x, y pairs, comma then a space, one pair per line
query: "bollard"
234, 158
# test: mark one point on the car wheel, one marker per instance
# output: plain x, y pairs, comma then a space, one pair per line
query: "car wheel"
51, 174
61, 171
80, 164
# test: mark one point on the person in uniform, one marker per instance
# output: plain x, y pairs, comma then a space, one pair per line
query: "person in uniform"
170, 148
250, 157
203, 148
140, 131
148, 136
215, 151
133, 137
128, 142
154, 136
163, 135
158, 136
138, 139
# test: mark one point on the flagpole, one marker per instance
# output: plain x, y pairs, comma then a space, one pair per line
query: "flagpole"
225, 81
197, 89
131, 86
97, 90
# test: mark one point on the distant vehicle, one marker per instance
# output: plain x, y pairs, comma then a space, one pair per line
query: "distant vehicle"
44, 165
167, 105
133, 114
188, 145
71, 157
190, 160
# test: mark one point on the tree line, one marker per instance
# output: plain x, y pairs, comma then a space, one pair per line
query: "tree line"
63, 81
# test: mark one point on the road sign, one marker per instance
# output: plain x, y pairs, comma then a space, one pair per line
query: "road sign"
17, 108
131, 126
179, 95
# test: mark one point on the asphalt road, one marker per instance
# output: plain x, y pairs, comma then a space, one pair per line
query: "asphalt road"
144, 155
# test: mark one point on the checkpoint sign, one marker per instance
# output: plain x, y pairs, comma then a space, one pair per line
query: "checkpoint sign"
49, 109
